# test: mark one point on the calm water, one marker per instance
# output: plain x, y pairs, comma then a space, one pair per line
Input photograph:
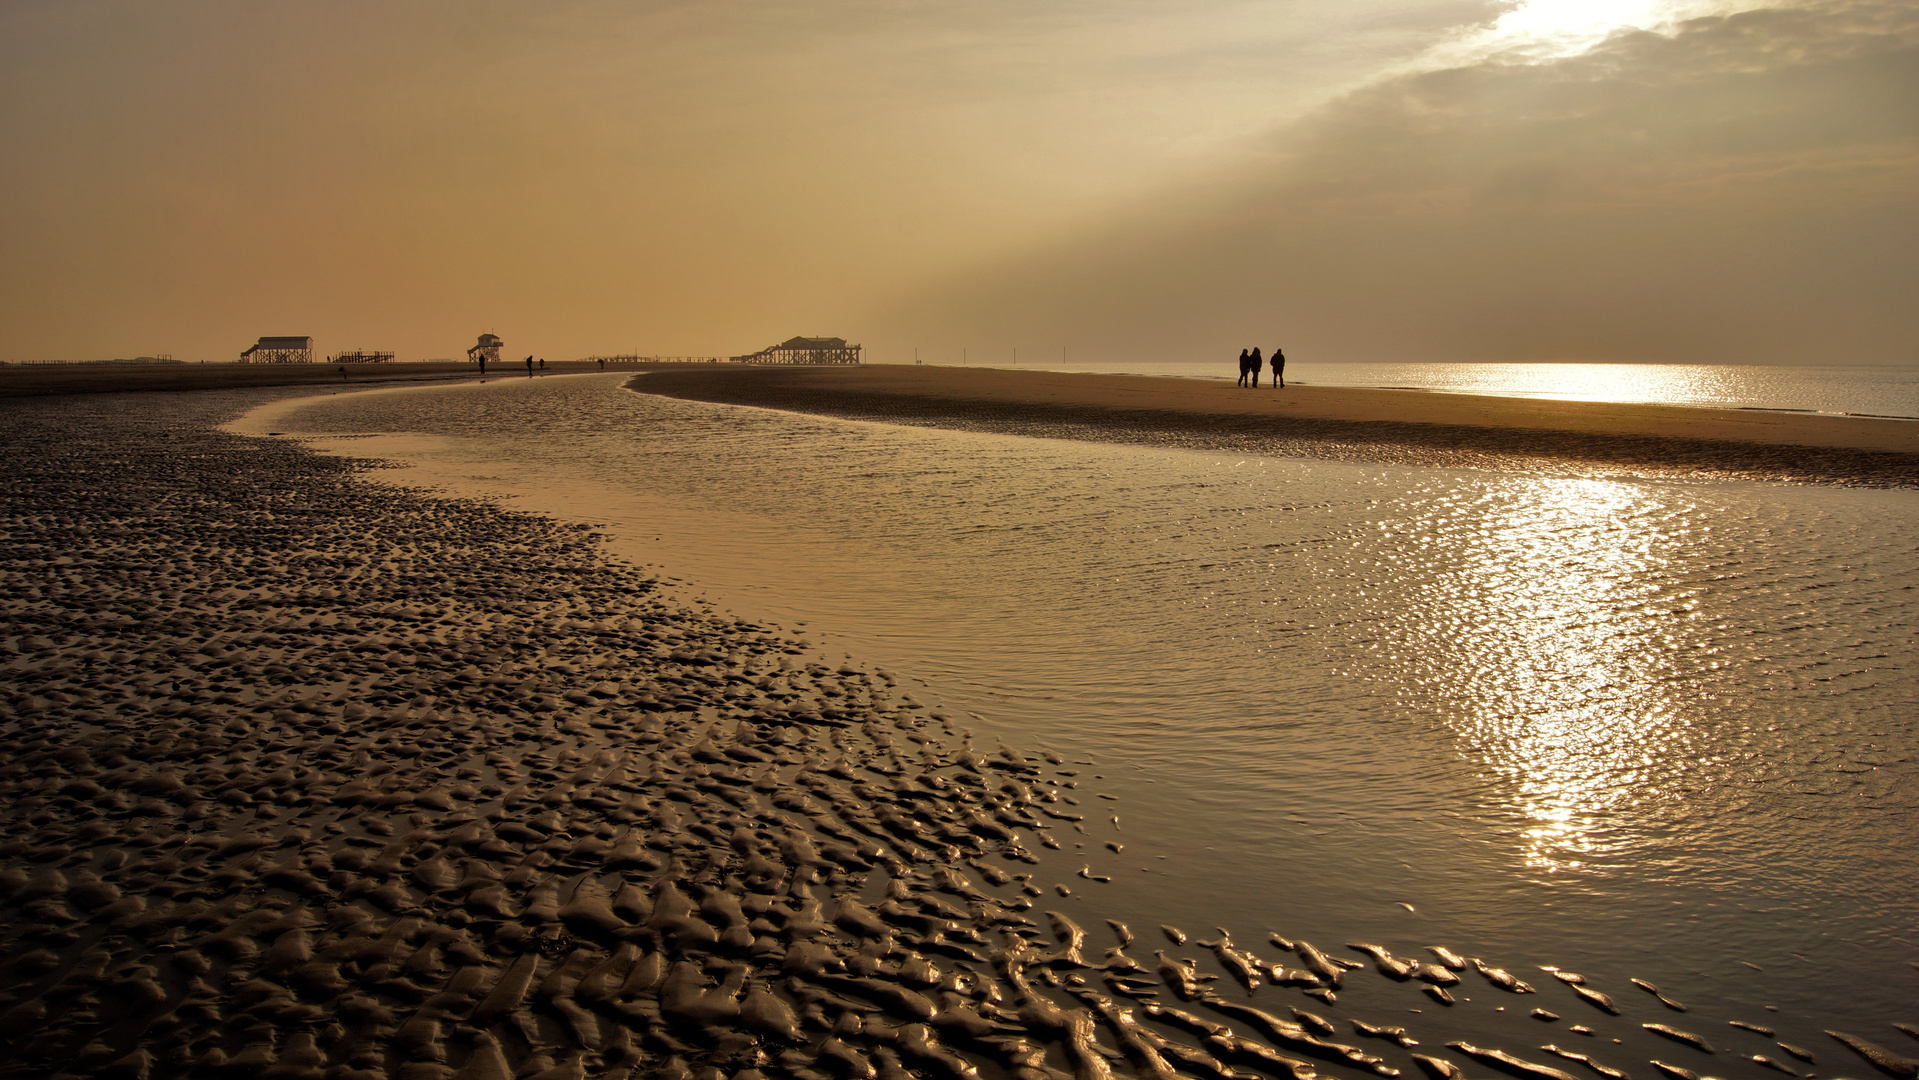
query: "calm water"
1858, 390
1633, 728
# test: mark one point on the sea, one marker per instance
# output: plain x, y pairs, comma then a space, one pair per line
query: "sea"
1871, 390
1657, 729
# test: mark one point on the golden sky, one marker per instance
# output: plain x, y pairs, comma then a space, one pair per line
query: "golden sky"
1677, 180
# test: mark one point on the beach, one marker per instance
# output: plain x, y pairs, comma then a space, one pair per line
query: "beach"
664, 541
311, 776
302, 786
1337, 422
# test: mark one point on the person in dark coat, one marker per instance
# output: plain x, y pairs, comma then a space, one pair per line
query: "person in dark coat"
1279, 368
1243, 358
1253, 364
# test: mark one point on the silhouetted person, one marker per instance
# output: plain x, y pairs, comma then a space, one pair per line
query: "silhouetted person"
1279, 368
1253, 365
483, 366
529, 367
602, 363
542, 363
1243, 357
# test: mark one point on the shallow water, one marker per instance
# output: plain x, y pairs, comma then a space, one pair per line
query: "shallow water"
1635, 728
1861, 390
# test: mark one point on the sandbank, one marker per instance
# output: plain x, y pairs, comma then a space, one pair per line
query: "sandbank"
1321, 421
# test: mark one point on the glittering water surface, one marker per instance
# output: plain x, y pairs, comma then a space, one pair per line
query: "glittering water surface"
1861, 390
1636, 728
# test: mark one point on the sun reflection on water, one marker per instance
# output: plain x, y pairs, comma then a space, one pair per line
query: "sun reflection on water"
1555, 632
1674, 384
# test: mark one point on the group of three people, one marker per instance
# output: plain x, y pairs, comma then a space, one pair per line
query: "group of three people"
1250, 363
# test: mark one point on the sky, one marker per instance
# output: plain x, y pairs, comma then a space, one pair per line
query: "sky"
1385, 180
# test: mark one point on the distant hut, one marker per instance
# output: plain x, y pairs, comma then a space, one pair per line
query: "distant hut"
806, 350
487, 350
279, 350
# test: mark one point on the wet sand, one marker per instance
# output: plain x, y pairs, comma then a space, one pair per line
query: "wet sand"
1399, 426
310, 778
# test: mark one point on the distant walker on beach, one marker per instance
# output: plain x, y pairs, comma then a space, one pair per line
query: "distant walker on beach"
1244, 359
1279, 368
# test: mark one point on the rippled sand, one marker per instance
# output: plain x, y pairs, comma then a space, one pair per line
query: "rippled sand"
307, 777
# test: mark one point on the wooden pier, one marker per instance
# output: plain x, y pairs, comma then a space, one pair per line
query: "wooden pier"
805, 350
279, 350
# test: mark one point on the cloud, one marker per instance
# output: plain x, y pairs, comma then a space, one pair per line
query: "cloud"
597, 175
1534, 30
1737, 188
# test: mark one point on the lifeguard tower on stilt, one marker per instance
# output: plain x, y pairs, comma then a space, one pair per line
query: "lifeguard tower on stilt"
488, 349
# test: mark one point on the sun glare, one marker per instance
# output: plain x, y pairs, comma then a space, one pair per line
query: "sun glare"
1566, 698
1540, 30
